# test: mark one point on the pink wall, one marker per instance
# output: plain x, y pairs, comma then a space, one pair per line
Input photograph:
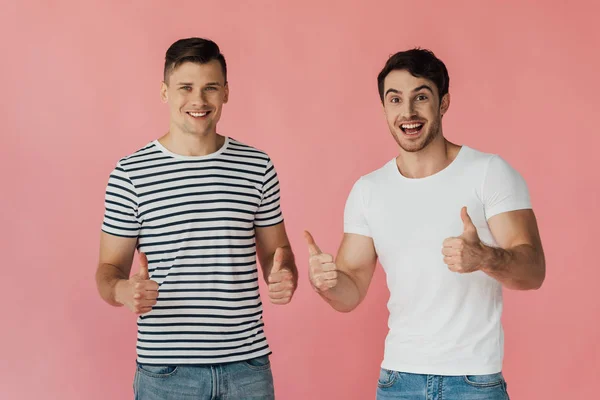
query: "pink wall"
80, 90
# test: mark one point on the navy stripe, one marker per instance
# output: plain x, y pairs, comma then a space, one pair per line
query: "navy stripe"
205, 265
199, 211
207, 324
209, 298
120, 228
229, 246
120, 196
173, 162
198, 220
219, 192
253, 327
269, 218
198, 185
119, 212
114, 185
194, 169
223, 316
118, 204
210, 228
210, 282
186, 178
248, 307
209, 290
193, 239
146, 160
119, 235
204, 348
201, 340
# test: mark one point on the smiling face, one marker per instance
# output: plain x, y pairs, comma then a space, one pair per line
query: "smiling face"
195, 94
413, 110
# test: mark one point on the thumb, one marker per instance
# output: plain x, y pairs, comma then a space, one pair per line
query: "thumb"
313, 249
468, 226
143, 271
277, 259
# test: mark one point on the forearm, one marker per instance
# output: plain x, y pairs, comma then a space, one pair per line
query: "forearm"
521, 267
109, 278
345, 296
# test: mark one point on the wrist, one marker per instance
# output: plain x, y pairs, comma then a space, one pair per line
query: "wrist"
119, 290
492, 258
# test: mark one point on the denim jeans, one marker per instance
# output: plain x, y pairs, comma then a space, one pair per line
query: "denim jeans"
393, 385
250, 379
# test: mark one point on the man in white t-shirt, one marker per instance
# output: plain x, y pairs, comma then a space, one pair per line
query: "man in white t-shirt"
450, 225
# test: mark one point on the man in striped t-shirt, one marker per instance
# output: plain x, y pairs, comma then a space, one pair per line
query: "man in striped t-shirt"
200, 208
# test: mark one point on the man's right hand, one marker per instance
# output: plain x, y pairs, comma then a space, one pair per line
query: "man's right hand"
322, 271
138, 293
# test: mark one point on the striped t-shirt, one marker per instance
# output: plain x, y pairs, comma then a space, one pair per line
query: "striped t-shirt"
194, 218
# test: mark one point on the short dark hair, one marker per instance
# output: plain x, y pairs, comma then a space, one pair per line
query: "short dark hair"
421, 63
196, 50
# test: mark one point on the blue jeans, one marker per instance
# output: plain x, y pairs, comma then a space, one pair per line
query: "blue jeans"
251, 379
393, 385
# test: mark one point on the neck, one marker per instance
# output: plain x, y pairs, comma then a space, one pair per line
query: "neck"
428, 161
186, 144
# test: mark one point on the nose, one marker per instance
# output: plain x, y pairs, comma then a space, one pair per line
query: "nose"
199, 98
407, 110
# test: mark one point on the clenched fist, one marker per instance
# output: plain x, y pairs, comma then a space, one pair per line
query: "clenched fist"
322, 271
464, 253
138, 293
282, 283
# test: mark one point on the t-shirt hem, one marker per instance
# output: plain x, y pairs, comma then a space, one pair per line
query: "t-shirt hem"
507, 208
192, 361
357, 230
444, 370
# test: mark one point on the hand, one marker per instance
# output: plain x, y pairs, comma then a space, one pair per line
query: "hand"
465, 253
281, 280
322, 271
138, 293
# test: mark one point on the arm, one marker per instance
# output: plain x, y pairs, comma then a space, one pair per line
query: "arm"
277, 262
343, 283
115, 286
519, 262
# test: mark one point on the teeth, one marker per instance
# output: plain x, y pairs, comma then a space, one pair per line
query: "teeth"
411, 126
196, 114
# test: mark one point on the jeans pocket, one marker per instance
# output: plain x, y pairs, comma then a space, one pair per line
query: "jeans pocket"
157, 371
483, 381
261, 363
387, 378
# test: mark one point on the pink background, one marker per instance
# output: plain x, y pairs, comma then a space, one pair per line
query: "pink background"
80, 89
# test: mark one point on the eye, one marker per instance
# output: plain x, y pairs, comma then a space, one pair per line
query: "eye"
210, 88
395, 100
186, 88
421, 97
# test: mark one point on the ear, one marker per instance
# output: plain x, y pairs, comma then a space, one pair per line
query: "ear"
226, 97
164, 97
445, 104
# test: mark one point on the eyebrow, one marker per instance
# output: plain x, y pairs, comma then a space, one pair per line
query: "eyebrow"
192, 84
414, 90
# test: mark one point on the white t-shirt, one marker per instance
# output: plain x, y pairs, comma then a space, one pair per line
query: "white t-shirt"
441, 322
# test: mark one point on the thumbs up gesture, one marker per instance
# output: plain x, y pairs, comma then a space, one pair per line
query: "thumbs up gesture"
282, 282
465, 253
139, 293
322, 271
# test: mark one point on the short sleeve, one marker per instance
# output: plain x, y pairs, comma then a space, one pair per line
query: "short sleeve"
504, 189
120, 205
269, 211
355, 220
